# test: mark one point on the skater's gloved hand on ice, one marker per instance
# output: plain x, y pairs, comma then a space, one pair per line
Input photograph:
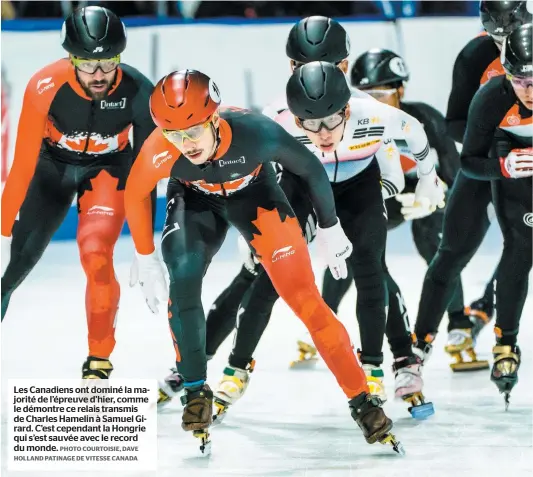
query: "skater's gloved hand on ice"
334, 247
518, 163
411, 209
250, 262
148, 271
430, 187
6, 252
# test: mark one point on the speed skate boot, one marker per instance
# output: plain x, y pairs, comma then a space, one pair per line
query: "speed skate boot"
198, 414
96, 368
169, 388
366, 410
231, 388
374, 376
460, 343
307, 356
422, 348
505, 369
408, 386
480, 312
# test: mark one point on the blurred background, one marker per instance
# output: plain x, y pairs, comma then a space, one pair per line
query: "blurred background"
196, 9
241, 45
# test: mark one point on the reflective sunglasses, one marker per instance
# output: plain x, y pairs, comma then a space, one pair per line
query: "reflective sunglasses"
193, 134
330, 122
380, 94
298, 64
89, 66
521, 81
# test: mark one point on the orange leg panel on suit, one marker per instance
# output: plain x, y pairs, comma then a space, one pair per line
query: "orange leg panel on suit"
101, 218
284, 255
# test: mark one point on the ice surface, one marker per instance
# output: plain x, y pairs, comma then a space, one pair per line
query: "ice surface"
290, 423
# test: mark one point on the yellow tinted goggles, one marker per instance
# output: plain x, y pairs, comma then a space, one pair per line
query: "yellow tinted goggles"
192, 134
107, 65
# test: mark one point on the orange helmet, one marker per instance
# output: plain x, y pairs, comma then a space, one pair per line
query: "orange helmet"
183, 99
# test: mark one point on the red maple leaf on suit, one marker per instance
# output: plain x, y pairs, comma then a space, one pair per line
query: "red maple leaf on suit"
101, 185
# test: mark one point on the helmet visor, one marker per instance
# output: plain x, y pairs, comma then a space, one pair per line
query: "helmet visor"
193, 134
90, 66
380, 94
521, 81
330, 122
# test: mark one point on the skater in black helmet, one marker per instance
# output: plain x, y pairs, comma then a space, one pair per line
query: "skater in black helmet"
466, 221
498, 147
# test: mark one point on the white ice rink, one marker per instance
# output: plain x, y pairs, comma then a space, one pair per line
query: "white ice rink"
289, 423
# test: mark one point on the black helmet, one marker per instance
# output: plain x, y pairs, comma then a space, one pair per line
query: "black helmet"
378, 67
516, 55
93, 32
317, 39
317, 90
500, 18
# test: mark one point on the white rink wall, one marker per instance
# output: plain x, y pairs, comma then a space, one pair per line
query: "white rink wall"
248, 61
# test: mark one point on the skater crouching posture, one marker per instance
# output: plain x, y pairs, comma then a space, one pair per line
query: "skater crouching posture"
498, 146
220, 175
72, 140
466, 219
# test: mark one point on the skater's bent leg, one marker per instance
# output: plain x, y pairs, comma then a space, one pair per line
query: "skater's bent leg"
253, 319
222, 316
294, 280
465, 226
271, 227
398, 329
187, 252
333, 291
46, 204
98, 231
516, 261
427, 237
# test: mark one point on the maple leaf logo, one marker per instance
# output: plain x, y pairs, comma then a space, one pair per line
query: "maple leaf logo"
274, 233
93, 147
103, 186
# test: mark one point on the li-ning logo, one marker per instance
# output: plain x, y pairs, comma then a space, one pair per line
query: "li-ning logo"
44, 81
113, 104
528, 219
100, 210
98, 49
282, 253
223, 163
159, 159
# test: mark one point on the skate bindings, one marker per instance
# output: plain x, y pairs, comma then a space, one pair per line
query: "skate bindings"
505, 369
96, 368
374, 379
230, 389
460, 342
307, 357
170, 388
408, 386
198, 415
480, 313
367, 412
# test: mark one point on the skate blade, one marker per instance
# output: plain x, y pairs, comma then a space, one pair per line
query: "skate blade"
506, 398
205, 438
469, 366
396, 444
305, 364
